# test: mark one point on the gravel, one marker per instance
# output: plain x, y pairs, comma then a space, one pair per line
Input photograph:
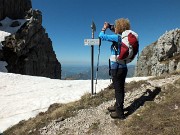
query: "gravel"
96, 120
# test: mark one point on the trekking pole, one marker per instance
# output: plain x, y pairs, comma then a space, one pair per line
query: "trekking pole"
97, 64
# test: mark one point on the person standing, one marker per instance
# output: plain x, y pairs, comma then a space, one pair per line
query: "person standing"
118, 68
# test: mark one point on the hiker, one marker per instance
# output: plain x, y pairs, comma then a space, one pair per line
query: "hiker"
118, 69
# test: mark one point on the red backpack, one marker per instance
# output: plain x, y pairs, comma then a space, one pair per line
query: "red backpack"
129, 46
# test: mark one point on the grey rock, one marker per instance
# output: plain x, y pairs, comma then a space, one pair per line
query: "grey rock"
161, 57
14, 9
29, 51
15, 24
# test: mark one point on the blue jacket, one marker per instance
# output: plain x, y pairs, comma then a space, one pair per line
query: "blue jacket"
115, 39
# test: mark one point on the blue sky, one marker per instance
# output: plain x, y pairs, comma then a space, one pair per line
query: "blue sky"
68, 22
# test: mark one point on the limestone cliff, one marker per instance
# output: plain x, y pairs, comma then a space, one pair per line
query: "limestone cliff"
14, 9
161, 57
29, 51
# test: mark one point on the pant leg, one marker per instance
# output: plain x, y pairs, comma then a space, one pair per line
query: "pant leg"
118, 78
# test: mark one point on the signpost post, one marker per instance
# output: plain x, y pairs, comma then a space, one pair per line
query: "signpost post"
93, 27
92, 42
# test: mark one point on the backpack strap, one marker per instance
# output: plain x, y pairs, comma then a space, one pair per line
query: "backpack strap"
124, 36
115, 46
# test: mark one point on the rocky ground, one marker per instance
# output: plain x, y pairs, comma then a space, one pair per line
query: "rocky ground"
97, 121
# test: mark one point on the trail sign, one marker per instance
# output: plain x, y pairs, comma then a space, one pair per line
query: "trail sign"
91, 42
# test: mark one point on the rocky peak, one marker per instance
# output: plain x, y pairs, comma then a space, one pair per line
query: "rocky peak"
29, 50
168, 45
14, 9
160, 57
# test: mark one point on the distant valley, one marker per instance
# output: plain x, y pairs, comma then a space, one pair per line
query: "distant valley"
84, 72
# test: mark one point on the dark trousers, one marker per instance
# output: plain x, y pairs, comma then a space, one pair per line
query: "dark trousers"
118, 78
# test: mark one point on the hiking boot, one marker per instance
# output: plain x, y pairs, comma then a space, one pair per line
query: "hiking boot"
115, 115
119, 112
111, 108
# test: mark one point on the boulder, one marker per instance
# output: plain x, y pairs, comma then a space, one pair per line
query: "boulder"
29, 51
161, 57
14, 9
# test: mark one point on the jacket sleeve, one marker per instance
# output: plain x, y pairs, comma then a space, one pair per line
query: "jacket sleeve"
110, 38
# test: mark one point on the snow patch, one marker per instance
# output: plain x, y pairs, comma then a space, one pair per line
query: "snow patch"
23, 96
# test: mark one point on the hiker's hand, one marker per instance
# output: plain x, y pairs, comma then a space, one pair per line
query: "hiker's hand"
106, 25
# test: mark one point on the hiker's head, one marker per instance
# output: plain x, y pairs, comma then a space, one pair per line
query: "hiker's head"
121, 25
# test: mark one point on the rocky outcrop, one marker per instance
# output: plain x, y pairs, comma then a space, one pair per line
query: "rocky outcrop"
161, 57
14, 9
29, 51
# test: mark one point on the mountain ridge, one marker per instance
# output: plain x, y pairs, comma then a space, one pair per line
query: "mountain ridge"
84, 73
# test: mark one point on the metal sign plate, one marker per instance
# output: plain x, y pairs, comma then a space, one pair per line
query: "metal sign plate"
91, 42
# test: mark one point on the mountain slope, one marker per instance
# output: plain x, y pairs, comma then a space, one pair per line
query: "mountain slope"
153, 105
97, 121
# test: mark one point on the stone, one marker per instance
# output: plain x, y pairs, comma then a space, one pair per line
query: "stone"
161, 57
14, 9
29, 51
15, 24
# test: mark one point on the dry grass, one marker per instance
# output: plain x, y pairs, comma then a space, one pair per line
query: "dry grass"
135, 85
153, 118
